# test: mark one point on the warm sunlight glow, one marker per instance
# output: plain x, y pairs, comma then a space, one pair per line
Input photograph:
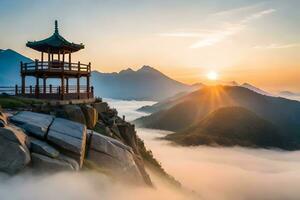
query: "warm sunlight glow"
212, 75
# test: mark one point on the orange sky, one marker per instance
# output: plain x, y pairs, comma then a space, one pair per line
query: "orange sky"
246, 41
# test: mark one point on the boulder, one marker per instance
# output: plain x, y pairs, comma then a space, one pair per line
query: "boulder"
69, 160
13, 150
127, 132
3, 119
2, 123
74, 113
101, 107
47, 164
113, 155
91, 116
36, 124
41, 147
116, 132
102, 129
69, 137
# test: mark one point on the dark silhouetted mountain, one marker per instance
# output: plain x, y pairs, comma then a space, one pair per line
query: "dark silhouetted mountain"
10, 67
146, 83
190, 109
230, 126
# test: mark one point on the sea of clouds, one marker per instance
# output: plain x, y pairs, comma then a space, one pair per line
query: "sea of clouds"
210, 173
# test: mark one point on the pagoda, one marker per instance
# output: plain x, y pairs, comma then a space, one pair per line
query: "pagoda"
56, 63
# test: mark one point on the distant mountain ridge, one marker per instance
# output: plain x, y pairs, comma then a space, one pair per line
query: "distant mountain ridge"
146, 83
290, 95
10, 67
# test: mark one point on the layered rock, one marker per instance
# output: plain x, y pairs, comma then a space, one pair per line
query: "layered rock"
69, 137
74, 113
101, 107
91, 116
3, 119
127, 132
36, 124
13, 150
62, 143
112, 154
47, 164
41, 147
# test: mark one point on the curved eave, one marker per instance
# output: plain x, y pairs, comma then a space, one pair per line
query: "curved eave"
54, 49
54, 44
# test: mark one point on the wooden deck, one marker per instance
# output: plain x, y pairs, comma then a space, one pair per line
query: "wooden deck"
55, 69
50, 92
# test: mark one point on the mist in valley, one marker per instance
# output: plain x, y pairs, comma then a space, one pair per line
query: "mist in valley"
210, 173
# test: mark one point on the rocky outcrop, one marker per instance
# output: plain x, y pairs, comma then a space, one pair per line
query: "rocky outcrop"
101, 107
35, 124
91, 116
3, 120
60, 142
14, 154
47, 164
127, 132
69, 137
41, 147
113, 155
74, 113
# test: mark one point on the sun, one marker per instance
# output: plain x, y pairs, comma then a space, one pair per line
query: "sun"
212, 75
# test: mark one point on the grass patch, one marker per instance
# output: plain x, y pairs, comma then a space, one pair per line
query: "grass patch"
17, 102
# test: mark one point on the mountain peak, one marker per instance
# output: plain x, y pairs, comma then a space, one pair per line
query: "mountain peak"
233, 83
128, 70
147, 68
256, 89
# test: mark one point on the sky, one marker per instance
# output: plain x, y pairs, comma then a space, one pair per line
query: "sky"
242, 40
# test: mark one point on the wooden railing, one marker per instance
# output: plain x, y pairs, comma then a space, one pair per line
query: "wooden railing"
8, 90
55, 66
49, 92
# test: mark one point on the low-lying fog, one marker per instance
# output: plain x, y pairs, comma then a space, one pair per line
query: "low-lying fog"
213, 173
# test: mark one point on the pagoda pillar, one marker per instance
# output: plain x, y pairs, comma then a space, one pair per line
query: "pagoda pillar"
70, 61
78, 87
23, 85
62, 87
88, 86
42, 59
44, 85
67, 85
37, 89
48, 59
63, 59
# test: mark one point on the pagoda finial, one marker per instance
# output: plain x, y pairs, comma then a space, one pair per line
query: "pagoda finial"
56, 27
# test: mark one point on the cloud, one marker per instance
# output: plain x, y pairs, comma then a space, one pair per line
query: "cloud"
258, 15
181, 34
218, 36
232, 173
277, 46
212, 37
79, 186
238, 10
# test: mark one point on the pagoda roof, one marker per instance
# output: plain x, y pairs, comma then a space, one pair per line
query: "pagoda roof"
55, 44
